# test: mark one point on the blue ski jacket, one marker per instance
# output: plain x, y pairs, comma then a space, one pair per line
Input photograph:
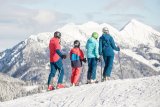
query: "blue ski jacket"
107, 45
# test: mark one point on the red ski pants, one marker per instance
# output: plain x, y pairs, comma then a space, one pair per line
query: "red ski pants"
75, 75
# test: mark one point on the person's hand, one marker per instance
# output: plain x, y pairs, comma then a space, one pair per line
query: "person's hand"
118, 48
64, 56
99, 59
84, 60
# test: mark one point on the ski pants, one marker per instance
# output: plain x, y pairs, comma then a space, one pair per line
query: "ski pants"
54, 67
92, 66
108, 65
75, 75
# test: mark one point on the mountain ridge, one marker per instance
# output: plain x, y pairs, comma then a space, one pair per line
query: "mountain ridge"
31, 57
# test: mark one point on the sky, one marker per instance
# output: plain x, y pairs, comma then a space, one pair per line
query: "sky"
21, 18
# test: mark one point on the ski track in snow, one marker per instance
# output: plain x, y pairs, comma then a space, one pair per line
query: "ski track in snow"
143, 92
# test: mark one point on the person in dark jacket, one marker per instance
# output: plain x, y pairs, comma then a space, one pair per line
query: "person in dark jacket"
76, 57
106, 47
56, 61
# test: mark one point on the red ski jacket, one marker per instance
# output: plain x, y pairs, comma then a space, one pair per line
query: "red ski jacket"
53, 46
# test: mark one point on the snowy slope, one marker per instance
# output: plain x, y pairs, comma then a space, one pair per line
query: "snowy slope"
143, 92
10, 88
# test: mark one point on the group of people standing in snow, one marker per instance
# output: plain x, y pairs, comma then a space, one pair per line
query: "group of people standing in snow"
95, 50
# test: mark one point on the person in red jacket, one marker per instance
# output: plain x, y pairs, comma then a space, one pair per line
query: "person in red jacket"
56, 61
76, 57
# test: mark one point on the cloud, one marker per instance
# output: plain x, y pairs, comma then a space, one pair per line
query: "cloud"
44, 17
122, 11
127, 17
7, 43
17, 22
20, 23
125, 4
30, 19
21, 1
91, 15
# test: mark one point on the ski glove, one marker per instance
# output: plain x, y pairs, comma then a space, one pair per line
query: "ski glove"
64, 56
84, 60
118, 48
99, 59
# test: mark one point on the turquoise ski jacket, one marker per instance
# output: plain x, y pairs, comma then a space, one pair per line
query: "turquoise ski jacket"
92, 48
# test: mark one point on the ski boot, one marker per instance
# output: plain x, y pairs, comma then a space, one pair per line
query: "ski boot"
94, 81
50, 88
60, 86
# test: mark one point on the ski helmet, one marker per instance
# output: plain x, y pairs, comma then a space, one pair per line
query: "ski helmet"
95, 35
57, 34
76, 43
105, 30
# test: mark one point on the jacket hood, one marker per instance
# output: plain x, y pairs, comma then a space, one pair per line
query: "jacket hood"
91, 40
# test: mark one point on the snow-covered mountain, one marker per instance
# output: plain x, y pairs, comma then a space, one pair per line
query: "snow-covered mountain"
140, 48
144, 41
142, 92
136, 33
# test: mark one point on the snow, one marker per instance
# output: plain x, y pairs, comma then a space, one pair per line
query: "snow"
155, 50
3, 54
140, 59
142, 92
135, 33
29, 88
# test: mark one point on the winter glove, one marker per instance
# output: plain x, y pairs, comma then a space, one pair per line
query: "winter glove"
64, 56
118, 48
84, 60
99, 59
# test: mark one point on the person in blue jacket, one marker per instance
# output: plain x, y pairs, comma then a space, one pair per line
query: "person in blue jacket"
106, 47
92, 57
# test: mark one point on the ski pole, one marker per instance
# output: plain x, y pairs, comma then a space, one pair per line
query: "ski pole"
120, 63
81, 78
101, 70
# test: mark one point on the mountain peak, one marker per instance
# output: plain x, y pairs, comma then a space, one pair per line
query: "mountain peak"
90, 23
134, 21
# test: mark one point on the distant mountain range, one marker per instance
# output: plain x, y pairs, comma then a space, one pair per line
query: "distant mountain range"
140, 52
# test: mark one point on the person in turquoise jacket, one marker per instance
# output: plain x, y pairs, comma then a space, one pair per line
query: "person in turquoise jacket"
106, 47
92, 57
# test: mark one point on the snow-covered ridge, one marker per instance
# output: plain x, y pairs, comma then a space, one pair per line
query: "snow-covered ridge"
132, 34
29, 59
143, 92
135, 33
